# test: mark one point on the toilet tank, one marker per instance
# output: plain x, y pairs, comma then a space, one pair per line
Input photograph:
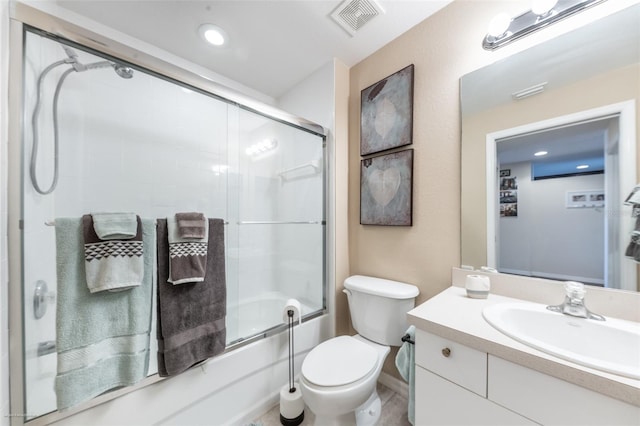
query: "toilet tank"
379, 307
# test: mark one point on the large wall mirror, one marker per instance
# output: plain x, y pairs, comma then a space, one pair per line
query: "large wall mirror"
549, 156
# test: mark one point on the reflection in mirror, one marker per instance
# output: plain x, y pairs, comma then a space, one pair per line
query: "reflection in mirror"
535, 171
573, 97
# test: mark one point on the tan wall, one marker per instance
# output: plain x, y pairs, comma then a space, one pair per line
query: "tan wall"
341, 197
443, 48
612, 87
424, 253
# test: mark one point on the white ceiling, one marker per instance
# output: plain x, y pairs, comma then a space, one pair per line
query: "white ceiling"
576, 141
273, 45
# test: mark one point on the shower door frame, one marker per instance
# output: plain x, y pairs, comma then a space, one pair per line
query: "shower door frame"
23, 16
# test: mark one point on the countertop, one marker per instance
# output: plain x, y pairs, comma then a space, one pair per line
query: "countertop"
454, 316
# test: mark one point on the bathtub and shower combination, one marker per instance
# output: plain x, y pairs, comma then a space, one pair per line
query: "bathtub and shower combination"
103, 134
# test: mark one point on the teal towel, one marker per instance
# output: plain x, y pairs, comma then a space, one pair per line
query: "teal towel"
102, 339
406, 365
115, 226
113, 265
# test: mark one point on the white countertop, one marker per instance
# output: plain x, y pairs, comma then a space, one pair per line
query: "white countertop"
453, 315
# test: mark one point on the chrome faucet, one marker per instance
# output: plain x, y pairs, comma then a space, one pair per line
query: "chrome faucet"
574, 302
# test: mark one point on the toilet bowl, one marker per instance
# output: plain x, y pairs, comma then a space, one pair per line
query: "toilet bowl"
339, 376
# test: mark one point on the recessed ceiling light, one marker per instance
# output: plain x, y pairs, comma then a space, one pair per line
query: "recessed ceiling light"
212, 34
582, 166
540, 153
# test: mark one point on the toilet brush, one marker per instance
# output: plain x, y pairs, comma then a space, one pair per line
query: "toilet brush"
291, 403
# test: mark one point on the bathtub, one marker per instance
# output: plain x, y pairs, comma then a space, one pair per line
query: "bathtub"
255, 315
230, 389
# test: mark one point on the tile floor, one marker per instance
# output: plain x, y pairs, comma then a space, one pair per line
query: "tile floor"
394, 411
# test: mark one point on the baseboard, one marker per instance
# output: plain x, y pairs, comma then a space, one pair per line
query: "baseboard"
396, 385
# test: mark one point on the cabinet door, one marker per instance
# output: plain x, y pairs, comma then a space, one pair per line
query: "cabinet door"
441, 402
552, 401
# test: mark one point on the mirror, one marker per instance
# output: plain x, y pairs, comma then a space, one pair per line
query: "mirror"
576, 97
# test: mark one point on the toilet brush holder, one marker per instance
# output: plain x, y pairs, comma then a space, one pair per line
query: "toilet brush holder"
291, 405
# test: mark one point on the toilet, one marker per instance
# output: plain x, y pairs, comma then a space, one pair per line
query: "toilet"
338, 377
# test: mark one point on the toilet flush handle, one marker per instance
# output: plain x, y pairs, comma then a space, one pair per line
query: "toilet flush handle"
347, 292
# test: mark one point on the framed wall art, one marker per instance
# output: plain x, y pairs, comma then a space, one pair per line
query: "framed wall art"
585, 199
386, 113
386, 186
508, 195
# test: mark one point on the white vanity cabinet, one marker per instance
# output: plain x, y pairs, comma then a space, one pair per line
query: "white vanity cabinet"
458, 385
552, 401
451, 386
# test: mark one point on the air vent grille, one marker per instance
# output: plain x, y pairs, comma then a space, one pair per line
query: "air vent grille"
352, 15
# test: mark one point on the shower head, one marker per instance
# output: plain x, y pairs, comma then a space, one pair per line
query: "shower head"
123, 71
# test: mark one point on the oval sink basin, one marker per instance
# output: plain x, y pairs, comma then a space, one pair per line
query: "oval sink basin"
612, 346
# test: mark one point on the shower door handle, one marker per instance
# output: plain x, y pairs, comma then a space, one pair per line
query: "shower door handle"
41, 298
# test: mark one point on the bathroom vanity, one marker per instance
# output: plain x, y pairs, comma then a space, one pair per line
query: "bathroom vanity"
468, 372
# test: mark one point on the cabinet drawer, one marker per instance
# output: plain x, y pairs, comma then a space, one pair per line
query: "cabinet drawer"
455, 362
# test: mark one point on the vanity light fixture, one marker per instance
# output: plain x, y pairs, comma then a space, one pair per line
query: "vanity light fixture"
542, 14
540, 153
542, 7
212, 34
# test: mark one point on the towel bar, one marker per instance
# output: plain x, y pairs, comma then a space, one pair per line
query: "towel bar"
314, 164
53, 223
407, 338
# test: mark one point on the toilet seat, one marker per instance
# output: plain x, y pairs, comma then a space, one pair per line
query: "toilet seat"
339, 361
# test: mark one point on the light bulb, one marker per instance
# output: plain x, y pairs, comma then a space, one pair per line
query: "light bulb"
212, 34
499, 25
542, 7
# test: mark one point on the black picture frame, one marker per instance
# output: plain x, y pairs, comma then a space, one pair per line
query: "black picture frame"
386, 189
386, 113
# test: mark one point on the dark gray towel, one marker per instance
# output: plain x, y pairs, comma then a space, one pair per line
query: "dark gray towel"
191, 225
187, 257
191, 317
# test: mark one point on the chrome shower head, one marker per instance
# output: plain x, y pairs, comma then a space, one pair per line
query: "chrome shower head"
123, 71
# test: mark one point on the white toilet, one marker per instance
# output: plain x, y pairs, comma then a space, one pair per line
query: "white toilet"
339, 376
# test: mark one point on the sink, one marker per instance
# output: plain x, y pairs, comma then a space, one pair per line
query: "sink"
612, 346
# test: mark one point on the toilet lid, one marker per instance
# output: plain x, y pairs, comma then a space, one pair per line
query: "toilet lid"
339, 361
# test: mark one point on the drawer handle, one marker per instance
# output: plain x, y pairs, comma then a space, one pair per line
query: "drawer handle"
446, 352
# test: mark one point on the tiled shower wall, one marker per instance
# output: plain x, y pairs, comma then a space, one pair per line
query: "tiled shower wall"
4, 262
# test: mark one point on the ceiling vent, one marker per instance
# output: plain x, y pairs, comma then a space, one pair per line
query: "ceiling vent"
352, 15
